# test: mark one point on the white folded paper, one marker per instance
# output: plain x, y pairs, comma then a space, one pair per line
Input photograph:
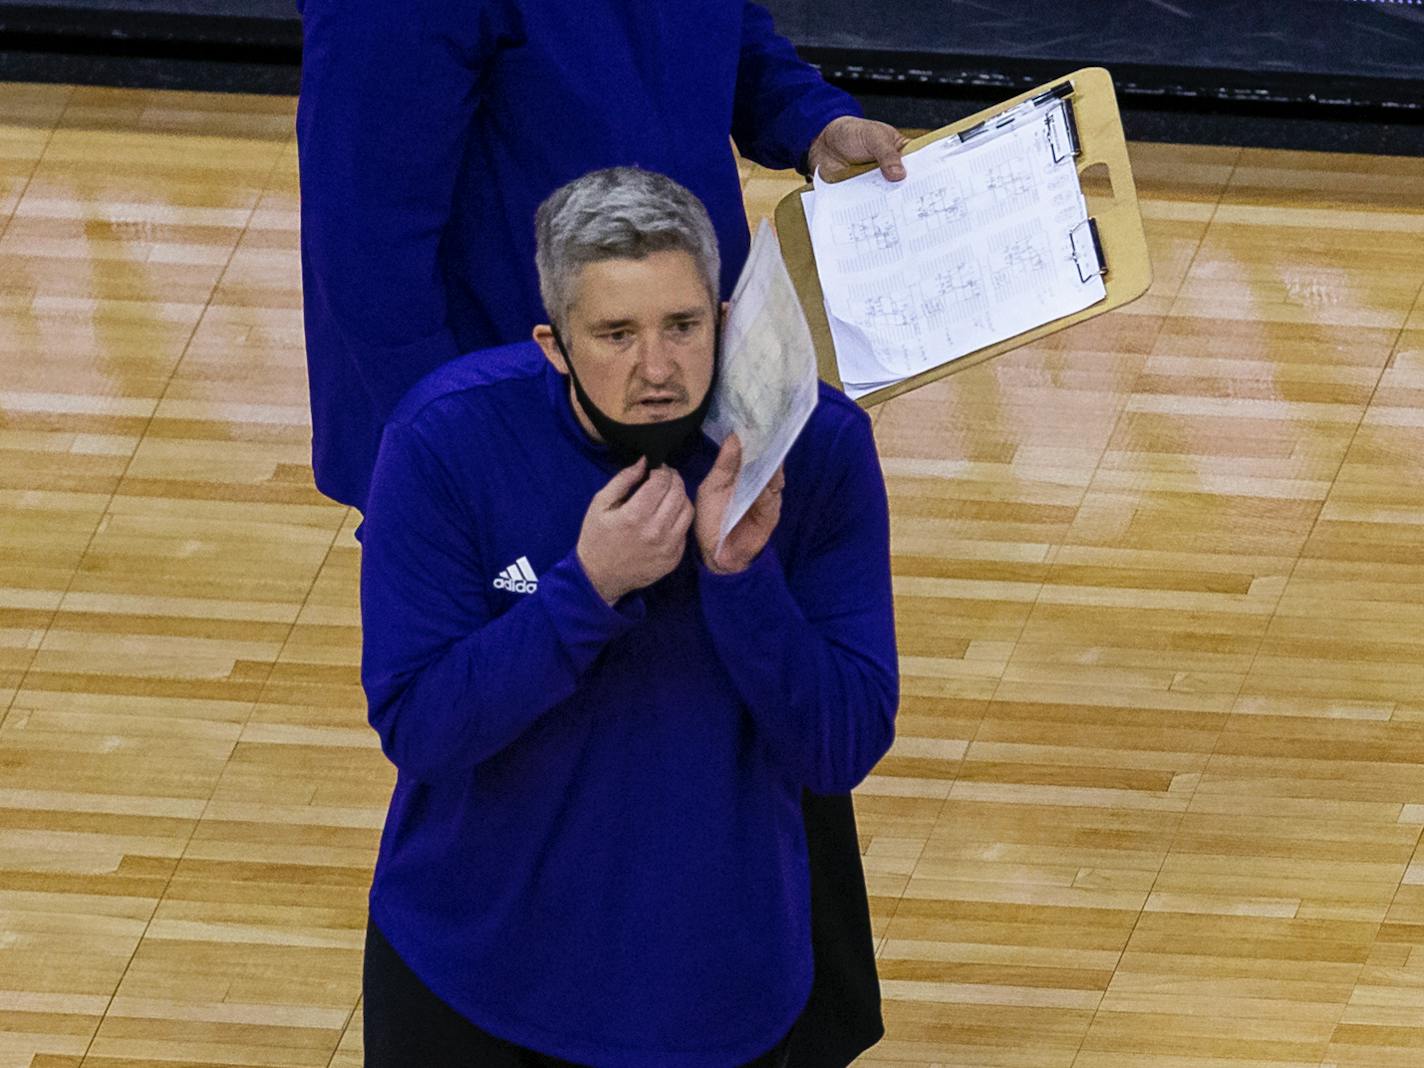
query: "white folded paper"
766, 375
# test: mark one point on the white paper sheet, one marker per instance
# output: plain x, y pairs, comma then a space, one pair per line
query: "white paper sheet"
975, 245
766, 375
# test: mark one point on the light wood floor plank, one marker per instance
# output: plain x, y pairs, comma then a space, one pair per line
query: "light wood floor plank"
1155, 799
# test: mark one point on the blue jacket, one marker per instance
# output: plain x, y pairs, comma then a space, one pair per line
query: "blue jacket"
430, 130
595, 846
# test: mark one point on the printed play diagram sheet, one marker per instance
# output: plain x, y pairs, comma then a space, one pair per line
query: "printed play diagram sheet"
984, 239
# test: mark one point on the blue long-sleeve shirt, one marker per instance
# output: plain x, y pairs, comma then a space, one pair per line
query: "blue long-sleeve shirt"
595, 846
429, 131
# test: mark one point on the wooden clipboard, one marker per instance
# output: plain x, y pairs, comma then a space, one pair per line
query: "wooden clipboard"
1124, 245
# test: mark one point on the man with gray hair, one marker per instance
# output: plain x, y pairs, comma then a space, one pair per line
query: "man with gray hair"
602, 719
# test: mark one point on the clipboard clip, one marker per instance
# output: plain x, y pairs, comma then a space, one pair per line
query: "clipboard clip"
1087, 248
1061, 129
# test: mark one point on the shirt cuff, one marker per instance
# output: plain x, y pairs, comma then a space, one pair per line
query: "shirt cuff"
765, 567
817, 121
583, 620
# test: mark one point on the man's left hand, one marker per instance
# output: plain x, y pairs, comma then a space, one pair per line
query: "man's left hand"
750, 535
849, 140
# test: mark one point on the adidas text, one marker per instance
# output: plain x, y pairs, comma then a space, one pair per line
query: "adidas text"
504, 582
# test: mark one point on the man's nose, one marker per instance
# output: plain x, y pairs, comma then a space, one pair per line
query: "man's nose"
658, 360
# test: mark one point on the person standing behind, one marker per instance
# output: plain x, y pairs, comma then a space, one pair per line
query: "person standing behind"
429, 131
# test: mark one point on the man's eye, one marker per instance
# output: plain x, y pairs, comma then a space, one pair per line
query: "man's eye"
618, 336
685, 326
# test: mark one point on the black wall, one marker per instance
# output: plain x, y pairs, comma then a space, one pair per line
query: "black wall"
1381, 39
1326, 74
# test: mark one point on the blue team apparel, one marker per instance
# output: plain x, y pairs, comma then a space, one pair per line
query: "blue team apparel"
595, 846
429, 131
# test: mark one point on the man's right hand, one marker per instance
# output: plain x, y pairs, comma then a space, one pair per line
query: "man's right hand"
634, 534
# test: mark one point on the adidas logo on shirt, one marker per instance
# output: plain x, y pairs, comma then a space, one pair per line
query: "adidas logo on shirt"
518, 577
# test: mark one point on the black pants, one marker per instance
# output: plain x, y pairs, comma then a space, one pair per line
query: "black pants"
406, 1026
842, 1020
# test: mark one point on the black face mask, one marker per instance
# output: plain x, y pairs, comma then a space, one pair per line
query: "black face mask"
669, 441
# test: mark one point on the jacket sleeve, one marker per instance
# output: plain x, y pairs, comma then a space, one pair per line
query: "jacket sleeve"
447, 686
388, 95
781, 102
812, 652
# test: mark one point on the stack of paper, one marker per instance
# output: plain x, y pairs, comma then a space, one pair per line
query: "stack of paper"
983, 239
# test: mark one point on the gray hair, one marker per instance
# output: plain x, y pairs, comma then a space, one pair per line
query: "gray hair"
617, 213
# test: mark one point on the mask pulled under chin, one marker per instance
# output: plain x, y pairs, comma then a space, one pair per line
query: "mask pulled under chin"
668, 441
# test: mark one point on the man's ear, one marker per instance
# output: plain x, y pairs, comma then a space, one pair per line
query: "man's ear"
544, 335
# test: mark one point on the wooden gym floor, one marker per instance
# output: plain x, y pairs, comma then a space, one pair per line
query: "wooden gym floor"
1159, 784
